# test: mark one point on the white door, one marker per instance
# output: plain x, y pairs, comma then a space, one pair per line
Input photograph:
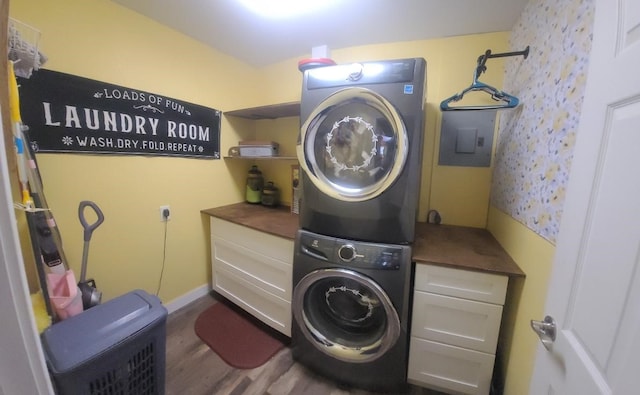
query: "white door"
594, 293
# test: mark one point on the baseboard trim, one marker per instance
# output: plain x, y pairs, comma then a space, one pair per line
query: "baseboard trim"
181, 301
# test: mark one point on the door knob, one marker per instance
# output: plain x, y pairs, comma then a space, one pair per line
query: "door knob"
546, 331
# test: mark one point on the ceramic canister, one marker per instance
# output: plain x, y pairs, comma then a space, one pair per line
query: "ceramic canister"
270, 195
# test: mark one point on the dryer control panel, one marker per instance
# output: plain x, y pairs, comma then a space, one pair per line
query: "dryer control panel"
385, 72
354, 253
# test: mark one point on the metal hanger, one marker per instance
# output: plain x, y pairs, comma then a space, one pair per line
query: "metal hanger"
506, 100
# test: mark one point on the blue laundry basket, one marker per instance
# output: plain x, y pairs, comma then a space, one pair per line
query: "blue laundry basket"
115, 348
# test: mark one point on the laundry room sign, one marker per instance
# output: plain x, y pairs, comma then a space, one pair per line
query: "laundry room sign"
71, 114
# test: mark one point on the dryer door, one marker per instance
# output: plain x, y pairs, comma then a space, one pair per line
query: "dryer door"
345, 315
354, 145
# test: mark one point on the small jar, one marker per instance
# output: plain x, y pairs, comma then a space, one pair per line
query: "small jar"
270, 195
255, 183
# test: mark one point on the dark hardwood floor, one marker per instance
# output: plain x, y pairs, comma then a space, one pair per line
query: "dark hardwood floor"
193, 369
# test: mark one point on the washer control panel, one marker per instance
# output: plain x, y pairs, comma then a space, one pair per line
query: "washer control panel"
354, 253
375, 256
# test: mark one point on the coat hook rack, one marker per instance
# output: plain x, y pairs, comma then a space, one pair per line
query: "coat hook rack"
506, 100
482, 59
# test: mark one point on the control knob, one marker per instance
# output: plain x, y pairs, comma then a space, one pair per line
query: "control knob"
347, 253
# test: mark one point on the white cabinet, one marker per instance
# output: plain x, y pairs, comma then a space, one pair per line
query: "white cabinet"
253, 269
455, 327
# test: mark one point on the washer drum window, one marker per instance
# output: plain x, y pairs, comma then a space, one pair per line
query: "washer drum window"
354, 145
345, 315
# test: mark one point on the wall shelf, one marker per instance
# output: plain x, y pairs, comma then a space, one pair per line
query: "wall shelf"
274, 111
261, 157
282, 110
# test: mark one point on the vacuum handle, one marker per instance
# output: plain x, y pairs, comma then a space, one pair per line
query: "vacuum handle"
88, 229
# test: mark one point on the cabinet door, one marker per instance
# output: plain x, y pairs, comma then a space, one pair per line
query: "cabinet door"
263, 271
253, 269
449, 368
270, 309
473, 285
455, 321
272, 246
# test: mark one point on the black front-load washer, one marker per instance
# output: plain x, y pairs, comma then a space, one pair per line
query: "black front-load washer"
351, 309
360, 148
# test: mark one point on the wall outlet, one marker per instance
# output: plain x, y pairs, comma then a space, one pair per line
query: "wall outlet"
165, 213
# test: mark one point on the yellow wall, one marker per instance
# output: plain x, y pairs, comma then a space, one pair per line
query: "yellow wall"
101, 40
526, 299
460, 194
533, 160
113, 44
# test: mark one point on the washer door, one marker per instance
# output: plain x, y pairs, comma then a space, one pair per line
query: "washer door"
345, 315
353, 146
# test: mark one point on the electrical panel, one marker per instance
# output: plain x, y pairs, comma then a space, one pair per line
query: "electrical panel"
466, 138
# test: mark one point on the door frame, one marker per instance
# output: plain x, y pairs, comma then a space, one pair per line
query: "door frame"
22, 364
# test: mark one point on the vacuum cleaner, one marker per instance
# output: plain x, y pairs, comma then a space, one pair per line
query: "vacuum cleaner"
90, 294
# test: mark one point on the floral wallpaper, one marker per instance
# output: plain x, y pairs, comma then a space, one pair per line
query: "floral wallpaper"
535, 141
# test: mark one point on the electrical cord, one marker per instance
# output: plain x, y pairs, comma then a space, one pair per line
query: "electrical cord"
164, 257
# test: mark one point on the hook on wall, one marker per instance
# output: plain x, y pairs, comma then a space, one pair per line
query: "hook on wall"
482, 59
508, 101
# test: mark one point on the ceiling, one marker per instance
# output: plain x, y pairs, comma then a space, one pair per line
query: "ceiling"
228, 27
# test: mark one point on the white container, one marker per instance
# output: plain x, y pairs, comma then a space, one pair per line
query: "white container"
255, 148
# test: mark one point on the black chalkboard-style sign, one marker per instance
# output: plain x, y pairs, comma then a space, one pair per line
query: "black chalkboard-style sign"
70, 114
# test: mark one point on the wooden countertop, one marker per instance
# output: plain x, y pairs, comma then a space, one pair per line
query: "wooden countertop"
454, 246
278, 221
462, 247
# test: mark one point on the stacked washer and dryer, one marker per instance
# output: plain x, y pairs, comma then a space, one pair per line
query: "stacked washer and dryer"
360, 148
